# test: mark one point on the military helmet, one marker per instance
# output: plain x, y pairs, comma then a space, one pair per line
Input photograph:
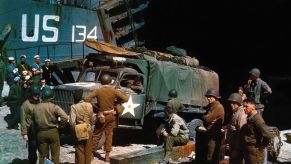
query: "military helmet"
173, 93
34, 90
105, 79
255, 72
213, 93
235, 97
47, 94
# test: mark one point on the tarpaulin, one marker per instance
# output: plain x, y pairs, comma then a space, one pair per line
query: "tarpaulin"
108, 48
191, 83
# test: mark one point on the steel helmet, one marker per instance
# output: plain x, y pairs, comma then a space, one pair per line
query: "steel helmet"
105, 79
213, 93
173, 93
47, 94
235, 97
255, 72
34, 90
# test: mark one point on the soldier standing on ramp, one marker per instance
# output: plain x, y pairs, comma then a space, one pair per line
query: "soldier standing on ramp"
257, 90
82, 112
48, 117
27, 127
213, 122
238, 119
255, 135
106, 97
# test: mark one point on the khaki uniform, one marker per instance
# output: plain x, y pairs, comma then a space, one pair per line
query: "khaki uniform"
179, 133
213, 121
175, 105
82, 112
46, 116
255, 137
27, 128
106, 97
238, 120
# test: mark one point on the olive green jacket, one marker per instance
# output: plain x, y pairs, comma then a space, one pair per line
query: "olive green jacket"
255, 132
26, 113
48, 116
175, 105
15, 96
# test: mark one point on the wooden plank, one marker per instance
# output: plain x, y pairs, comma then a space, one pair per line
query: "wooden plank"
153, 155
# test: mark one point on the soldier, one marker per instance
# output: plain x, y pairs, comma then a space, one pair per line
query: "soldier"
47, 72
257, 90
238, 119
106, 97
213, 121
14, 102
36, 70
2, 72
255, 135
174, 133
12, 71
27, 127
174, 103
48, 117
82, 112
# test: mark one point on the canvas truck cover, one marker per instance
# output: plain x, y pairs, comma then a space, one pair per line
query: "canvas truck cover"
191, 83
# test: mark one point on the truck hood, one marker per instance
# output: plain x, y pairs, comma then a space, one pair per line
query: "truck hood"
80, 85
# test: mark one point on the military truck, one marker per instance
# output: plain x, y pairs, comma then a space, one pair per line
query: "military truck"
158, 77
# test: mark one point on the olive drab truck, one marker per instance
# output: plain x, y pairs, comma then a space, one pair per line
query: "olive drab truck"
158, 75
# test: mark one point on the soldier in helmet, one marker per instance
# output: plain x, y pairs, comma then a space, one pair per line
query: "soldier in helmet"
174, 103
48, 117
106, 97
257, 90
27, 127
175, 133
238, 120
213, 121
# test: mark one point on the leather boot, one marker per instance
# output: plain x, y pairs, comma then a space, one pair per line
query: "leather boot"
107, 159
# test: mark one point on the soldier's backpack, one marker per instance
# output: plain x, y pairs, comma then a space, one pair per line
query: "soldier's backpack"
275, 144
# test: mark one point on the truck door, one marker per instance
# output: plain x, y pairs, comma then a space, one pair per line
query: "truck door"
134, 86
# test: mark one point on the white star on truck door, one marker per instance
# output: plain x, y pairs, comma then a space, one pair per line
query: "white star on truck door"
129, 107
